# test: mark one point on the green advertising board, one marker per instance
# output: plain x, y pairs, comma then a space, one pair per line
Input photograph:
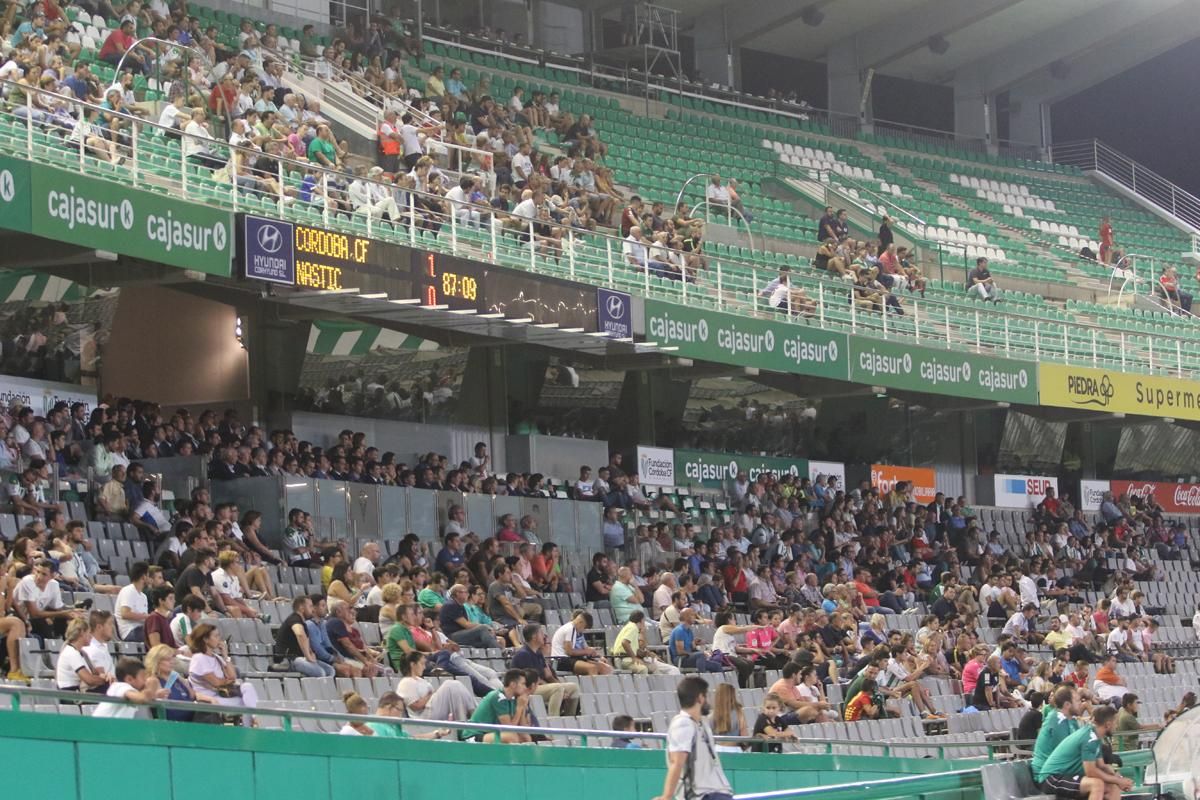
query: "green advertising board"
14, 194
900, 365
108, 216
746, 342
716, 470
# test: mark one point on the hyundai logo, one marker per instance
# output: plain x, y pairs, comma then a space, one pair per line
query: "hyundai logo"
269, 238
615, 306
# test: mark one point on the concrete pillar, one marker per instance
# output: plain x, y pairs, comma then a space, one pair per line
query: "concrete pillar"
506, 383
650, 408
275, 359
974, 110
712, 47
846, 81
1028, 119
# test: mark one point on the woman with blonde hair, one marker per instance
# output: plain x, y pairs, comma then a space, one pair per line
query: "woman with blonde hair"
392, 593
877, 630
728, 716
355, 704
160, 672
74, 670
213, 676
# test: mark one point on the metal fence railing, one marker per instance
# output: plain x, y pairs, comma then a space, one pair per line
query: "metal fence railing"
422, 216
1093, 154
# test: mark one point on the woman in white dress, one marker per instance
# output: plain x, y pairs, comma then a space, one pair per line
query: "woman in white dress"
451, 701
213, 676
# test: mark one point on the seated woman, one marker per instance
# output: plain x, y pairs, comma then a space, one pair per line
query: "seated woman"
213, 676
161, 674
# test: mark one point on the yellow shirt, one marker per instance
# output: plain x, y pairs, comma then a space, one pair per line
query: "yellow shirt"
326, 577
434, 87
1057, 639
630, 634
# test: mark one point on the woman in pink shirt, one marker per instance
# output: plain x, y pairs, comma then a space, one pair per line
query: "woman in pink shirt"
970, 673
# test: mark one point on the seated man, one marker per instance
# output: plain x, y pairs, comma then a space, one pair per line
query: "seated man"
981, 282
1168, 288
630, 652
348, 639
571, 651
1076, 768
506, 706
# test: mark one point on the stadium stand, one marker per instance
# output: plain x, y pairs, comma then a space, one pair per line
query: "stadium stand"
948, 590
200, 546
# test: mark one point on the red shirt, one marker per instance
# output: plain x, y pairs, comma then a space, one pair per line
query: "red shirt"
735, 579
629, 219
116, 44
214, 99
889, 263
157, 623
1106, 236
855, 708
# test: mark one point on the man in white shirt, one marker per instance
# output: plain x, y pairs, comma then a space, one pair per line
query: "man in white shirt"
365, 563
634, 250
693, 765
410, 141
148, 514
460, 199
716, 193
40, 600
1027, 587
662, 595
1018, 625
194, 145
132, 607
585, 488
522, 166
371, 199
102, 625
130, 685
527, 209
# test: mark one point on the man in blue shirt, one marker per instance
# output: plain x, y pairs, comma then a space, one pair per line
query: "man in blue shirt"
449, 558
682, 644
322, 647
1010, 662
34, 28
77, 82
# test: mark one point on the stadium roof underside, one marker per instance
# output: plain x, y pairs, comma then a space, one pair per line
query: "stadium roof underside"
1047, 50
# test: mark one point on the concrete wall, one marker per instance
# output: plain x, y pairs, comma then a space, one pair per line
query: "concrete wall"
174, 347
554, 456
406, 439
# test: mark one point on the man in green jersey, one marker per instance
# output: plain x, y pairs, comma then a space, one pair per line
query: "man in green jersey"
1058, 724
1076, 768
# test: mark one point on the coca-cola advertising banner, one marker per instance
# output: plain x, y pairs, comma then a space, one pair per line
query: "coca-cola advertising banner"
1175, 498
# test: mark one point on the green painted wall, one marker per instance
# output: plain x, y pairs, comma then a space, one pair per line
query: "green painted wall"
86, 759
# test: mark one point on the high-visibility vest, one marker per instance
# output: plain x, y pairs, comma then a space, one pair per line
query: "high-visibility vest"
387, 145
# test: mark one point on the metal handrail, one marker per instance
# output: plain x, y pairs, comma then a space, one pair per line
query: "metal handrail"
16, 693
729, 211
737, 293
1095, 155
364, 91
